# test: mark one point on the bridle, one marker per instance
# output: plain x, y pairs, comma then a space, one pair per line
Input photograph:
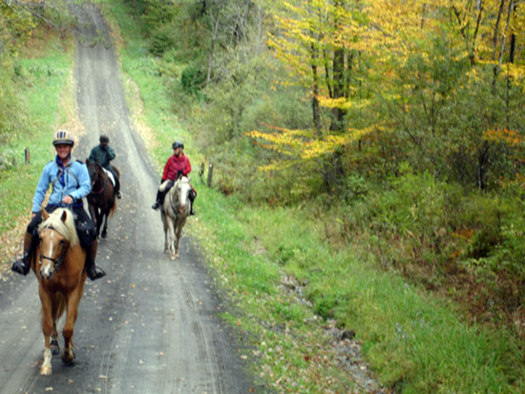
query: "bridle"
57, 262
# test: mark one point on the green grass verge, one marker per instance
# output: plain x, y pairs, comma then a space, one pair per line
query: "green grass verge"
42, 82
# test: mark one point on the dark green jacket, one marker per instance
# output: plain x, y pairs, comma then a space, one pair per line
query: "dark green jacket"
102, 156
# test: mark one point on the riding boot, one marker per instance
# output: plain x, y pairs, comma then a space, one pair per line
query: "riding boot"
92, 270
159, 200
192, 196
117, 188
23, 265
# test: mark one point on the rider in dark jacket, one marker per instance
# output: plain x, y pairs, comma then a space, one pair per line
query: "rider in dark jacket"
70, 184
103, 154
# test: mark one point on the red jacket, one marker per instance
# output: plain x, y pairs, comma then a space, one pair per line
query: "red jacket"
174, 165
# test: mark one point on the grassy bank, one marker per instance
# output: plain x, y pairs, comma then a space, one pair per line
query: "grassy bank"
43, 74
414, 343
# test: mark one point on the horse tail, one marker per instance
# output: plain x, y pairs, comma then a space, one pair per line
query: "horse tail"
113, 208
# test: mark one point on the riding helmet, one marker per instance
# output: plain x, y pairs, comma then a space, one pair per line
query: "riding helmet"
63, 137
104, 138
177, 144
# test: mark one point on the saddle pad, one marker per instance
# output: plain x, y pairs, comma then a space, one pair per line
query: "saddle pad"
110, 175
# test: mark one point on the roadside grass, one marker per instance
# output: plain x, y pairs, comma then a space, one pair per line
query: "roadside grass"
414, 342
43, 82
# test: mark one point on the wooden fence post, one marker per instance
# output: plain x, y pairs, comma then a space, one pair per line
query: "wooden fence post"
210, 174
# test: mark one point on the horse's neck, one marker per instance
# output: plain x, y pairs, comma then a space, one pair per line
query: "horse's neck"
100, 181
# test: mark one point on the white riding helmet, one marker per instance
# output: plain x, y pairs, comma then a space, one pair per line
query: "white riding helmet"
63, 137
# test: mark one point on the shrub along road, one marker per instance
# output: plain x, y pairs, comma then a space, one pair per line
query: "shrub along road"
150, 325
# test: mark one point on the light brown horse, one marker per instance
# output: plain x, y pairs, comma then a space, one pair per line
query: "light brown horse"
174, 212
102, 201
58, 264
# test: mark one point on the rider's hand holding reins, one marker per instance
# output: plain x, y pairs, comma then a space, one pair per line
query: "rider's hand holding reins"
67, 200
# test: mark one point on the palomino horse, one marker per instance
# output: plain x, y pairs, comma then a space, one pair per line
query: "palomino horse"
101, 200
58, 264
174, 212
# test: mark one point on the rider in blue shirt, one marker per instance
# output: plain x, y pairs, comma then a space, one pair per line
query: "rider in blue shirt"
70, 183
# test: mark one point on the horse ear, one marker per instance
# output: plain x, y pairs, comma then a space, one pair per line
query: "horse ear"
64, 216
45, 215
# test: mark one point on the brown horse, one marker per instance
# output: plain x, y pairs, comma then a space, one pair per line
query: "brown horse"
58, 264
174, 212
102, 201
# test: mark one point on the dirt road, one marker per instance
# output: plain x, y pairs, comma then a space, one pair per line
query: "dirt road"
150, 326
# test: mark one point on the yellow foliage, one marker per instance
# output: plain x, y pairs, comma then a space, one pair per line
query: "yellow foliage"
302, 144
510, 137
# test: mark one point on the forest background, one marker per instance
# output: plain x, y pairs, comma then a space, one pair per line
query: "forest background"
371, 151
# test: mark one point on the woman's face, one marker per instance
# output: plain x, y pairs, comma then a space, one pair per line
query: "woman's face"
63, 151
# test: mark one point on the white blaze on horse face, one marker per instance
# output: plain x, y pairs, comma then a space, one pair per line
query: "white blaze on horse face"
183, 189
45, 266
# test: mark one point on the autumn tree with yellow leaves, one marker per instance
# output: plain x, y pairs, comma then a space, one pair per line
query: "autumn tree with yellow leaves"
424, 80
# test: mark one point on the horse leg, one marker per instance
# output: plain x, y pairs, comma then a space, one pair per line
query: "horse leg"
93, 213
68, 354
166, 230
100, 217
177, 239
55, 347
171, 231
180, 225
47, 329
105, 229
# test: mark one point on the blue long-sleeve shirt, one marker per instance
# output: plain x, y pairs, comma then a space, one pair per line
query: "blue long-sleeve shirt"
72, 180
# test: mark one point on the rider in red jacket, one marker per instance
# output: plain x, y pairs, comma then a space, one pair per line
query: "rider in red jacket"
178, 163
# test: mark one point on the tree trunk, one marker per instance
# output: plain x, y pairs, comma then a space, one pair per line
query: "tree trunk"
339, 86
315, 92
497, 68
212, 46
496, 27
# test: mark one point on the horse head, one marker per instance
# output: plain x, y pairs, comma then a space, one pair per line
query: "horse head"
57, 233
182, 190
94, 170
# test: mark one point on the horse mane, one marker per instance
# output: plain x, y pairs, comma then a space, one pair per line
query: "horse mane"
66, 229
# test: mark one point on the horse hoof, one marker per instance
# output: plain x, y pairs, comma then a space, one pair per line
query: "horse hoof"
172, 257
55, 348
68, 358
104, 235
45, 370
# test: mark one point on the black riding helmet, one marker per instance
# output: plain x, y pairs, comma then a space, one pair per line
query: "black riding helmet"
177, 144
104, 138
